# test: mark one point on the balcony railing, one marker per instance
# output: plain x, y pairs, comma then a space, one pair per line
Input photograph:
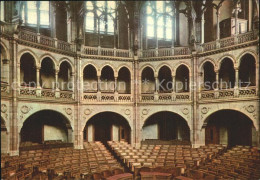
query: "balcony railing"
65, 46
147, 98
90, 97
249, 36
247, 92
66, 95
48, 93
209, 46
32, 92
27, 91
207, 95
185, 96
107, 97
124, 97
47, 41
229, 93
28, 36
229, 41
163, 52
112, 52
165, 97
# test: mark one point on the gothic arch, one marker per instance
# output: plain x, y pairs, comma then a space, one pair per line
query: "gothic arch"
144, 119
68, 61
50, 57
89, 63
240, 56
207, 60
68, 114
87, 118
242, 110
21, 53
178, 65
232, 58
109, 65
126, 66
144, 66
164, 64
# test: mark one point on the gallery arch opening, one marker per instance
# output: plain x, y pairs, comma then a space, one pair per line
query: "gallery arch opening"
107, 126
166, 126
46, 125
231, 128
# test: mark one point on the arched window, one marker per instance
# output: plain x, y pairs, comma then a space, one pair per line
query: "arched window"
159, 19
32, 9
100, 16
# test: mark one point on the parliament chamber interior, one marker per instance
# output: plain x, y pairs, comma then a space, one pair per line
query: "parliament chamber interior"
122, 90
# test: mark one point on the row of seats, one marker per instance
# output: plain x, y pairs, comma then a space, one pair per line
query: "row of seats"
240, 162
179, 156
26, 146
165, 142
94, 158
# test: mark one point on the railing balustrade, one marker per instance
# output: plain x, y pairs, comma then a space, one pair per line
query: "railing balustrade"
184, 96
164, 52
47, 41
27, 91
28, 36
106, 52
65, 46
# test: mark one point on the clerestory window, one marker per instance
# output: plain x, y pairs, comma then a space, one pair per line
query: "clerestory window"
32, 9
100, 17
159, 19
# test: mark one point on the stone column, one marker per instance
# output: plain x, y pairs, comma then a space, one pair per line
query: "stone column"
202, 29
116, 30
115, 86
115, 90
217, 26
128, 38
236, 78
257, 80
38, 16
99, 87
13, 111
18, 75
38, 86
98, 84
156, 83
156, 87
78, 118
236, 90
173, 87
38, 77
217, 80
57, 90
56, 79
72, 81
216, 93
